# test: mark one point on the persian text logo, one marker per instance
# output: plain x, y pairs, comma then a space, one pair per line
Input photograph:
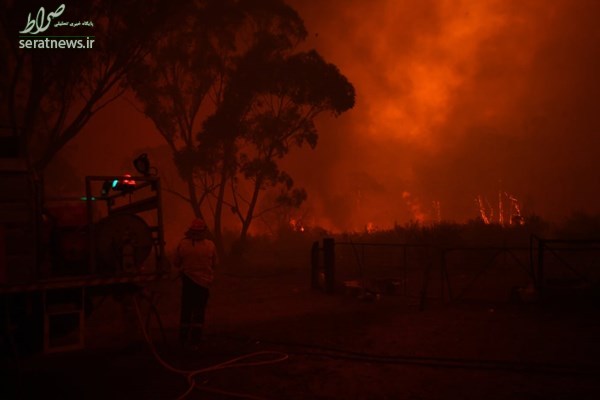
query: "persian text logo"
29, 38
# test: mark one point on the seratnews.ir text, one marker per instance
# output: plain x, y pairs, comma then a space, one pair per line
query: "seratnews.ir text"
56, 43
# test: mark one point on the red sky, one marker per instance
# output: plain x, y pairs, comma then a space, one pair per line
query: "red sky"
455, 99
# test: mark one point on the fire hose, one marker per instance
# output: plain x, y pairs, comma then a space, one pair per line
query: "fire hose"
319, 351
191, 375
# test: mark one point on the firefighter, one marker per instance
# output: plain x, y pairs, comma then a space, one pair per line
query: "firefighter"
196, 258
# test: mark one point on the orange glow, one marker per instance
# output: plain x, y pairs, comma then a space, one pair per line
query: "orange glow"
437, 208
515, 211
483, 213
414, 206
424, 77
370, 228
486, 211
296, 225
453, 96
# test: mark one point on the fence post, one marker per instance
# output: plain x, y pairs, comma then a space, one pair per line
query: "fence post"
445, 277
540, 267
404, 272
314, 266
329, 264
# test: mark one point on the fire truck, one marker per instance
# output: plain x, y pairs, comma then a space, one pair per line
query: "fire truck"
58, 252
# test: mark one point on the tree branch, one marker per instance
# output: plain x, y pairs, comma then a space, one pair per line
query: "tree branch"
182, 197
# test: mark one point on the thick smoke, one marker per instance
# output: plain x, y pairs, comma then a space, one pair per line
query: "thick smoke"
457, 99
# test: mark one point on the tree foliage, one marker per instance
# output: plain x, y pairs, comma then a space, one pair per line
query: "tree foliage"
288, 94
231, 95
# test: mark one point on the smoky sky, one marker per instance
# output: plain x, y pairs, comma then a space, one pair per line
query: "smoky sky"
455, 99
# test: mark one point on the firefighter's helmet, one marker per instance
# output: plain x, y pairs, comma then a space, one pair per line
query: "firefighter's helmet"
198, 225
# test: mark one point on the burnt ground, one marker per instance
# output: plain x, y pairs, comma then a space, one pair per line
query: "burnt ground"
339, 347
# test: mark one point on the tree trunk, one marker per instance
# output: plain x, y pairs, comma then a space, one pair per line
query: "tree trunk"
194, 197
220, 199
249, 216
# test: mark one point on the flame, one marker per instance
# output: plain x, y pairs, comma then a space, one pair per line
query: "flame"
414, 206
482, 210
500, 210
296, 225
370, 228
515, 214
486, 211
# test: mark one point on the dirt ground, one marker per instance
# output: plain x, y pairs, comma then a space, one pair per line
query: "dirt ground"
339, 347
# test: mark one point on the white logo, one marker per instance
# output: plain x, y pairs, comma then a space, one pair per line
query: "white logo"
42, 21
29, 38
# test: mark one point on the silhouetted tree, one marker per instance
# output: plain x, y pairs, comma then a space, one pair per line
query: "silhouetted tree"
49, 95
288, 91
183, 77
226, 60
